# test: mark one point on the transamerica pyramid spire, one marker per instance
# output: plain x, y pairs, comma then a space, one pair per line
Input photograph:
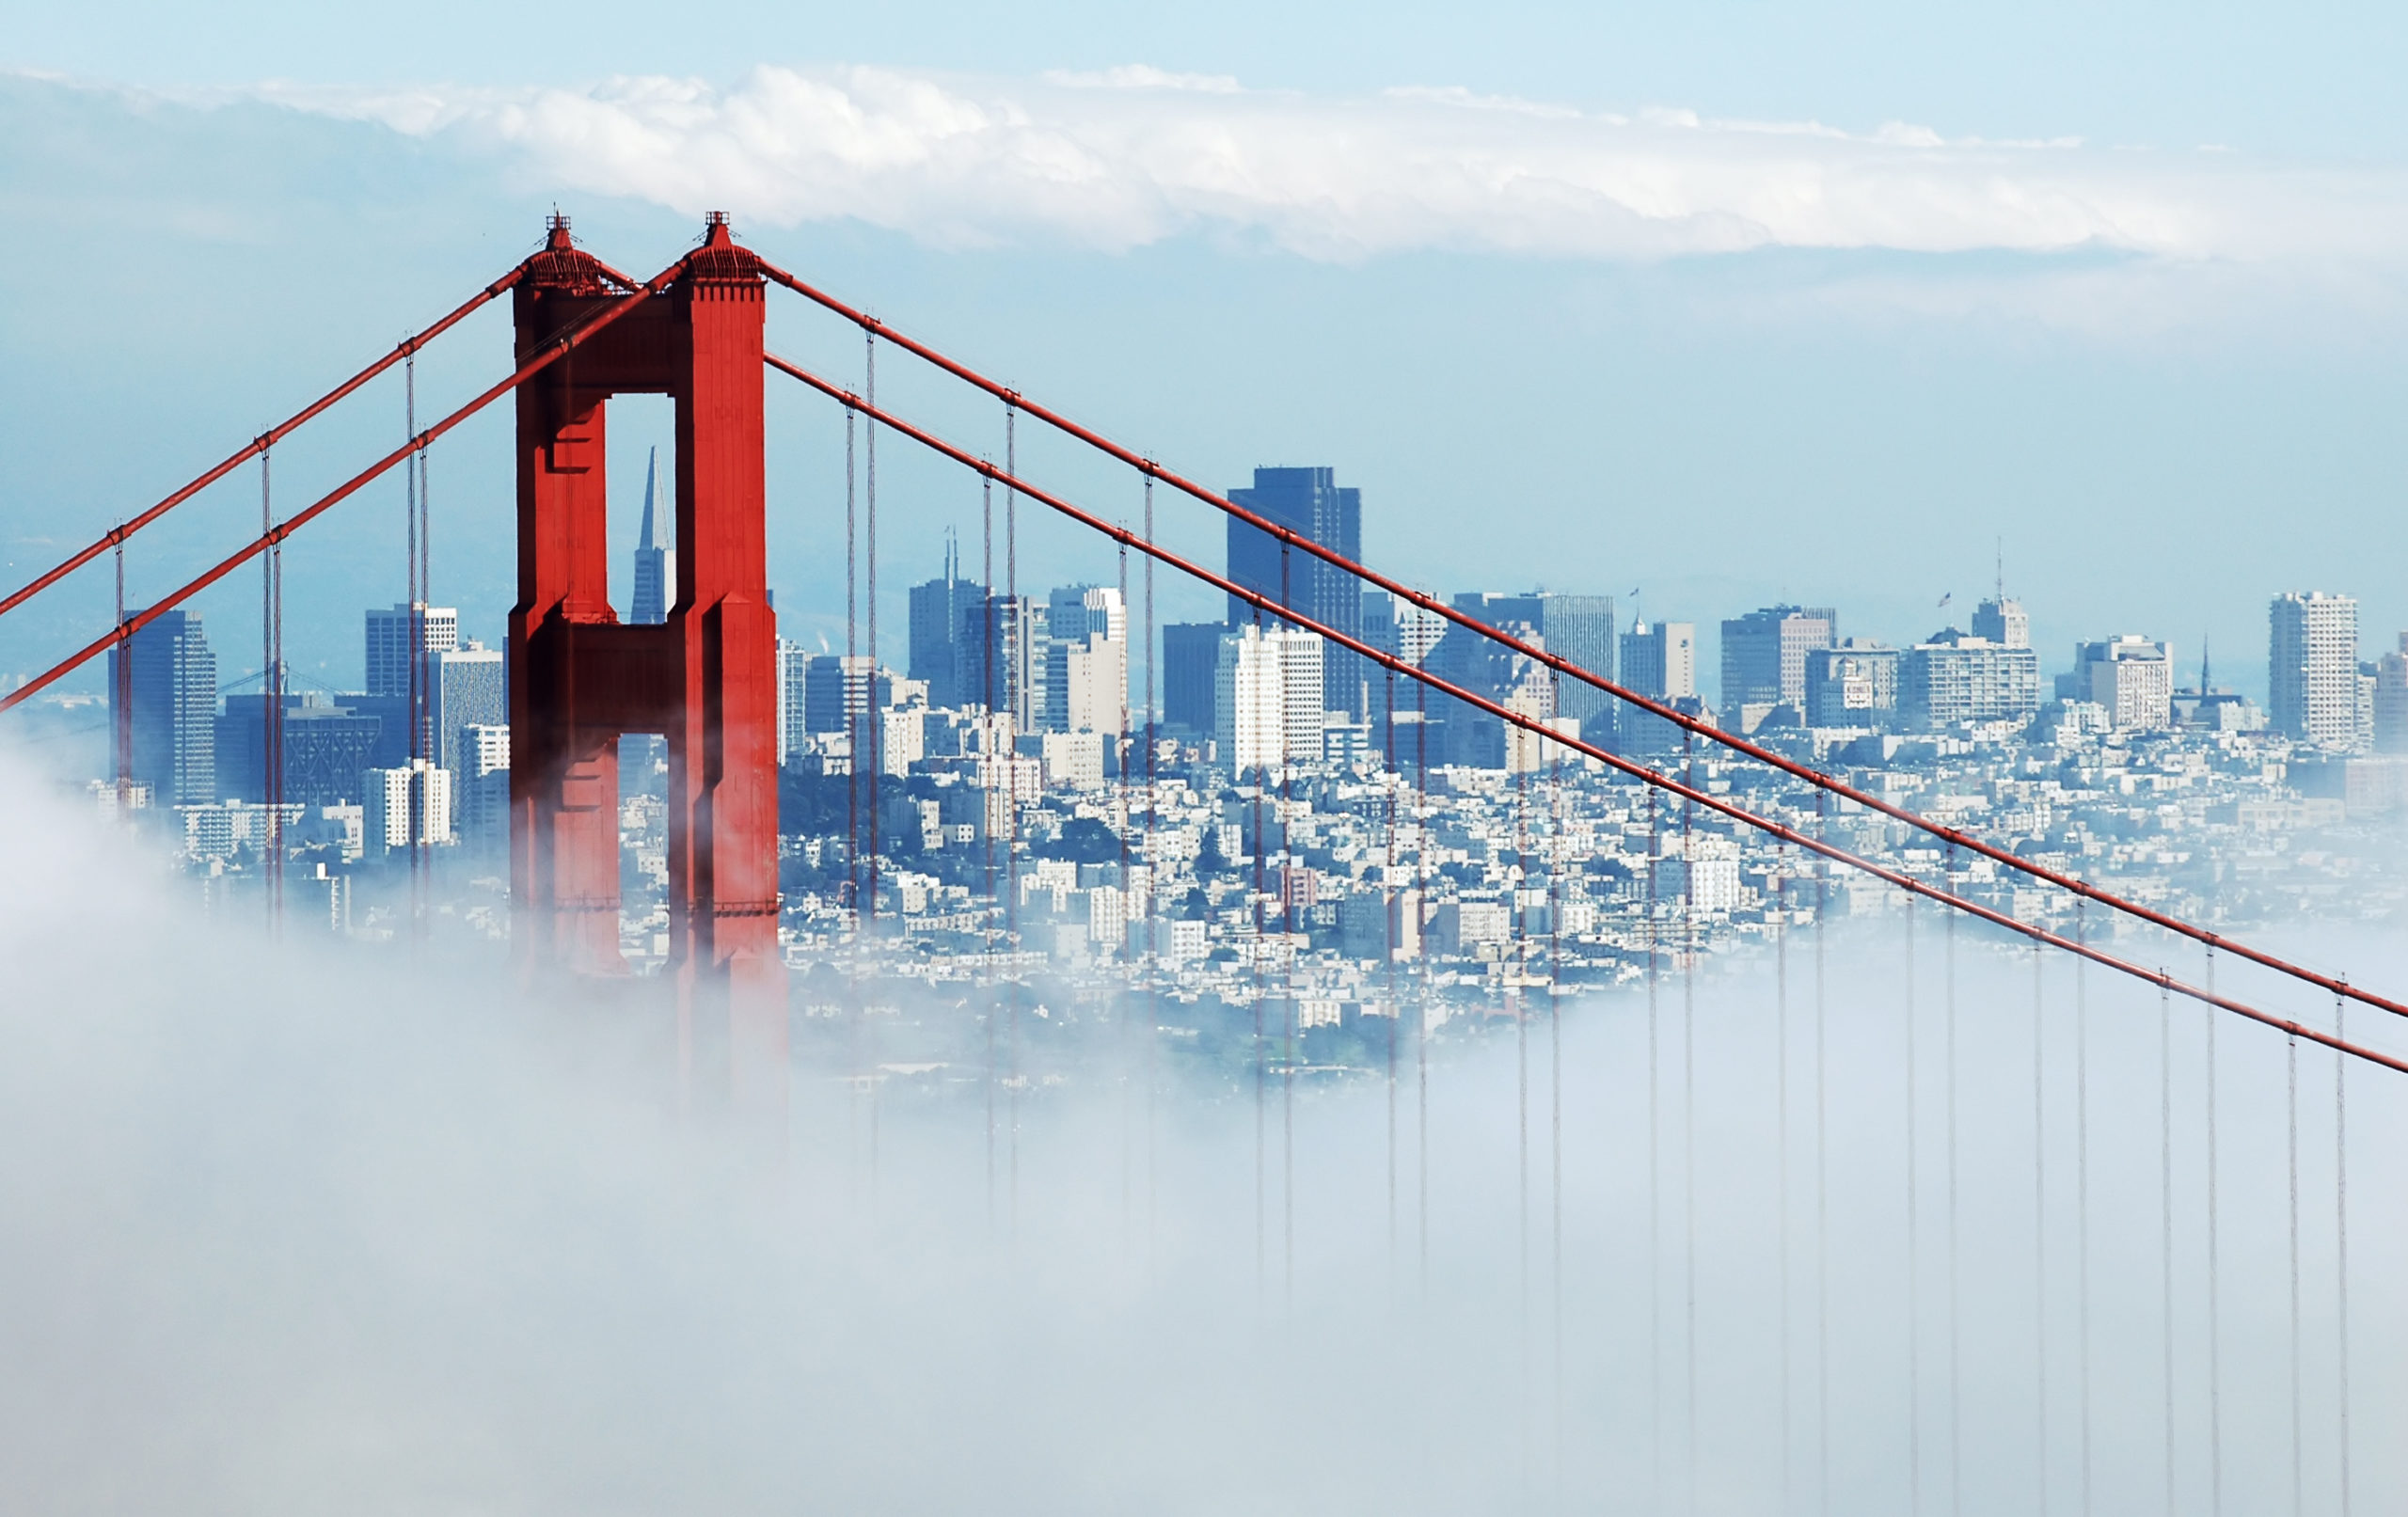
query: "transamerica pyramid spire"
655, 560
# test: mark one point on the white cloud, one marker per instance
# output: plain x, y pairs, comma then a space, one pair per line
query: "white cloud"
1134, 155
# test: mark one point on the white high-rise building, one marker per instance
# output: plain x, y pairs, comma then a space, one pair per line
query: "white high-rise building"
388, 644
2312, 668
656, 560
790, 682
413, 797
1086, 661
2130, 678
1268, 697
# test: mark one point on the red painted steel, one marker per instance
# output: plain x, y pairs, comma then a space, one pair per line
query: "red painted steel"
117, 536
1717, 804
1563, 666
707, 678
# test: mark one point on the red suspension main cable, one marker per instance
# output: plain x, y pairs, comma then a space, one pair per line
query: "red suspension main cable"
1537, 728
550, 353
117, 536
2337, 986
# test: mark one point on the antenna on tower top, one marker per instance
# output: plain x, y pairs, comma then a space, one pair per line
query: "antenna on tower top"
1999, 548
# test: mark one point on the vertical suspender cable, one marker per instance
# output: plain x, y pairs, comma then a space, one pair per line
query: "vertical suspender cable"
1654, 1181
2081, 1196
2040, 1224
1688, 1124
121, 702
1516, 970
853, 745
1262, 1132
271, 716
1288, 982
1016, 676
1390, 906
999, 770
1822, 1181
1128, 896
2341, 1232
874, 715
414, 687
1955, 1444
2290, 1152
1780, 1156
2165, 1214
1914, 1244
1153, 888
852, 717
1555, 1102
1422, 1001
2216, 1304
428, 698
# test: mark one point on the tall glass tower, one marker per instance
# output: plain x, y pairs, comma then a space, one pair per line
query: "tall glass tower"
1310, 503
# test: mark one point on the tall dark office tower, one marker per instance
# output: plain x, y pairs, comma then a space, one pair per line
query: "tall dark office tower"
1308, 502
1191, 657
938, 608
1014, 626
387, 664
1764, 656
172, 708
655, 562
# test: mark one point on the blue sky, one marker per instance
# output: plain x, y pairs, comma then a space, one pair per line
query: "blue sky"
1744, 302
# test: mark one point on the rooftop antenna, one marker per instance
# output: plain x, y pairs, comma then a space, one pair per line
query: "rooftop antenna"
1999, 548
2205, 683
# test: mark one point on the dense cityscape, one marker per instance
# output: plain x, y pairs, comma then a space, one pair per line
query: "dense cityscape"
1254, 814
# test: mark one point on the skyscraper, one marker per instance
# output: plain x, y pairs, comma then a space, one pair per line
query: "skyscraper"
2312, 667
388, 643
836, 693
1268, 698
1660, 662
409, 803
469, 689
1764, 657
1191, 655
655, 560
2390, 727
171, 708
1087, 660
1308, 502
938, 607
998, 656
792, 669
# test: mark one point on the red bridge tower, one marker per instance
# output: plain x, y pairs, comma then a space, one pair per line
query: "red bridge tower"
707, 678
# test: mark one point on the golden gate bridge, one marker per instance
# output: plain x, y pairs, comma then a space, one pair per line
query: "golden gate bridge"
705, 677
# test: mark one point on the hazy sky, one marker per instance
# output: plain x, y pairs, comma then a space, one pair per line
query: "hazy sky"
1742, 303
